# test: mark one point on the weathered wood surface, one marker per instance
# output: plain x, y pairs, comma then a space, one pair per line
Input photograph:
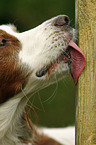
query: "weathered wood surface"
86, 88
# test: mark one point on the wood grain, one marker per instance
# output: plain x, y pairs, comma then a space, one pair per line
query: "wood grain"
86, 88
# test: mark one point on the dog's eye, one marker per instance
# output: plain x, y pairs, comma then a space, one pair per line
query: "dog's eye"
3, 43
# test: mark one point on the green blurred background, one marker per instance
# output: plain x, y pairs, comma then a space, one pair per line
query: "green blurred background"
56, 103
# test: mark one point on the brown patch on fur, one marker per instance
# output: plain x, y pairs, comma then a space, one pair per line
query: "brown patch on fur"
12, 78
37, 137
44, 140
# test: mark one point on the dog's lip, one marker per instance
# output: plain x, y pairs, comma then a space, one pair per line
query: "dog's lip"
41, 72
65, 57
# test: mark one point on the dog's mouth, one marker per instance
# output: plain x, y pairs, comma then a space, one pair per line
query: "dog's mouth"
65, 56
73, 56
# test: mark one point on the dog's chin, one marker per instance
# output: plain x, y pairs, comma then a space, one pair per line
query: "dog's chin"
59, 72
56, 68
55, 72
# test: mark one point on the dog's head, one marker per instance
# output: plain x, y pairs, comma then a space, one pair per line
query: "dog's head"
47, 44
37, 57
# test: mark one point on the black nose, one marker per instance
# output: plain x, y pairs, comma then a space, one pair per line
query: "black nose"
62, 20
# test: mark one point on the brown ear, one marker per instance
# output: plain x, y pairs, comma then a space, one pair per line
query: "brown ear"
7, 91
16, 87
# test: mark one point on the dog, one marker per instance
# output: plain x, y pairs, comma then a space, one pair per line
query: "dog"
30, 61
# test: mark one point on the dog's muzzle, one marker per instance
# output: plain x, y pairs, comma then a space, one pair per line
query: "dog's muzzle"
72, 55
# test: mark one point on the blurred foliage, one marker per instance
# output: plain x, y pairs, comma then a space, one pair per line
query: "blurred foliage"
56, 103
29, 13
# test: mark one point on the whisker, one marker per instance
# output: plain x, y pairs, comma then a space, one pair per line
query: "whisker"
41, 102
51, 98
28, 100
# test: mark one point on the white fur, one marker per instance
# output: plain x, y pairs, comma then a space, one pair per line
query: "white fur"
37, 50
66, 136
62, 134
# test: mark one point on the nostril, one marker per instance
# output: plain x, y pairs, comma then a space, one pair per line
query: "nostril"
67, 20
62, 20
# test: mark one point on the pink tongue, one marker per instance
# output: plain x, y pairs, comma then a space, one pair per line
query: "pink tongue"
78, 61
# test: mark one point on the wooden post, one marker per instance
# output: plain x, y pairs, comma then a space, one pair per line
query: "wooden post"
86, 88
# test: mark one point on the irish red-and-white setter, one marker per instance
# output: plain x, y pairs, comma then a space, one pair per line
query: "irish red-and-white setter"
30, 61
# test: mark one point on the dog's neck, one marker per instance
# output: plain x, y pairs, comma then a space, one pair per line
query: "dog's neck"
14, 128
11, 120
13, 125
